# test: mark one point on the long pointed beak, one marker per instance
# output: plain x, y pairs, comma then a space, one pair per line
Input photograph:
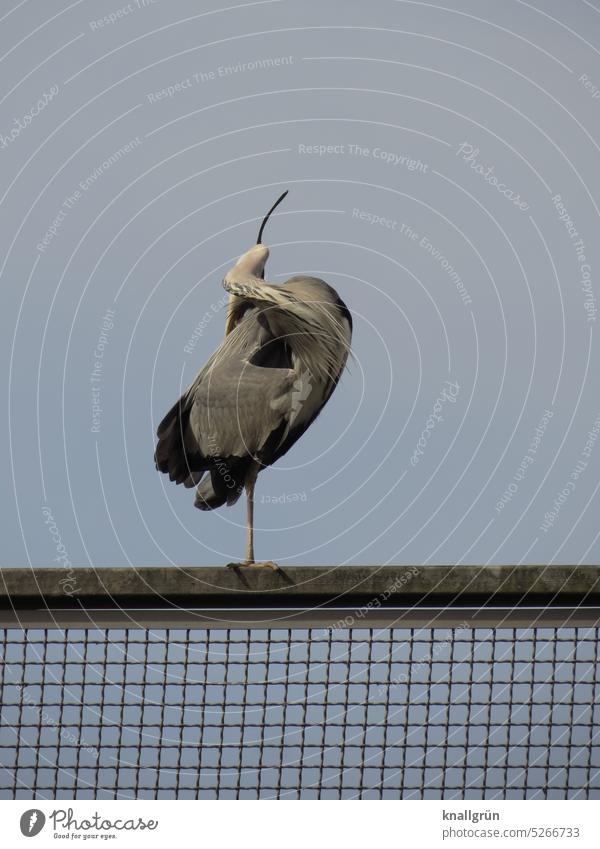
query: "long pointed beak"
268, 215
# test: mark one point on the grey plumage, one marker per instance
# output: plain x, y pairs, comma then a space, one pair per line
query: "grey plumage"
285, 348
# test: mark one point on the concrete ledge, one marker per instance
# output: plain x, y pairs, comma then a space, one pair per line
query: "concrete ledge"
303, 584
303, 596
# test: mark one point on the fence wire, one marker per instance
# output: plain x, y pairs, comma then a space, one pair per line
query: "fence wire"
300, 714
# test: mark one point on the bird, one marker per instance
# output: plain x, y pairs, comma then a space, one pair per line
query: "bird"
285, 348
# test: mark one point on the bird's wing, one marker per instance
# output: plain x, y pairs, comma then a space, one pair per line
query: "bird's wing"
238, 407
300, 424
315, 376
233, 408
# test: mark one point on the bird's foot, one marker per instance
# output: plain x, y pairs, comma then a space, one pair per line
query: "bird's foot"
251, 564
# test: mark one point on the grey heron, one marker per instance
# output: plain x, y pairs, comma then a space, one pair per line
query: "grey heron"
285, 348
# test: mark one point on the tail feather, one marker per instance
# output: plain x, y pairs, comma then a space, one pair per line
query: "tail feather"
207, 498
171, 456
219, 489
225, 483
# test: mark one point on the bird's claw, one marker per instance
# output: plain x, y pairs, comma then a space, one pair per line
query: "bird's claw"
247, 564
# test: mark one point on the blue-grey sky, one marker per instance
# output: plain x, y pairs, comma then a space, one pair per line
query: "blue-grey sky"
442, 171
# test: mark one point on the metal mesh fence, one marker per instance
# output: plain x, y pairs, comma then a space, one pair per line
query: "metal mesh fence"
467, 713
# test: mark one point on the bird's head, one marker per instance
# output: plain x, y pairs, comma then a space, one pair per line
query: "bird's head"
304, 311
252, 262
249, 267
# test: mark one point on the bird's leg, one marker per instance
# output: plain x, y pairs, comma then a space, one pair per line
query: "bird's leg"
250, 483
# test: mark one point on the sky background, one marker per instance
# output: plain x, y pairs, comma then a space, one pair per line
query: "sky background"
382, 120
